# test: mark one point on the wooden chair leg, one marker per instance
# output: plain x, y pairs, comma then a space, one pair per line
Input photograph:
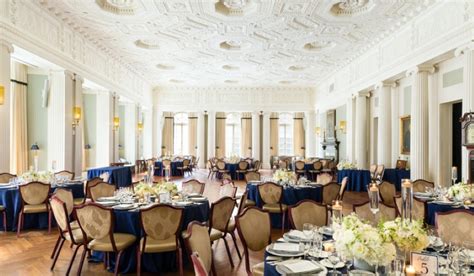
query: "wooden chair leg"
55, 247
20, 223
139, 261
117, 263
283, 223
81, 263
57, 254
49, 220
72, 259
228, 252
235, 244
5, 220
180, 261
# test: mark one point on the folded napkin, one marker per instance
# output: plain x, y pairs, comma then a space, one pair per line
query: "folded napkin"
302, 266
286, 247
297, 234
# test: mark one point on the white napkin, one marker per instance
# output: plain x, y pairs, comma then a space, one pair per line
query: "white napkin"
297, 234
301, 266
287, 247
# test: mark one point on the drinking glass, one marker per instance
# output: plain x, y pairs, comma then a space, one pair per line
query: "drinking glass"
396, 267
334, 260
308, 230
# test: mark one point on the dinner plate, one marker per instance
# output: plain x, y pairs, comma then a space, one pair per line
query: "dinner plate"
295, 236
326, 231
194, 195
320, 254
285, 253
107, 203
198, 199
358, 272
328, 264
284, 270
443, 202
107, 198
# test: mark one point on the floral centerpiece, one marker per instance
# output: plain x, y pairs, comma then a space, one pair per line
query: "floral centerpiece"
346, 165
233, 159
167, 187
363, 242
284, 176
407, 235
461, 191
41, 176
163, 187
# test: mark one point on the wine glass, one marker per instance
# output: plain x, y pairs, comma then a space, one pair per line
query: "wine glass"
308, 230
334, 260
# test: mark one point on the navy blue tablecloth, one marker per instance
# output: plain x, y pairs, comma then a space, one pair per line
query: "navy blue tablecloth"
11, 200
129, 222
174, 168
358, 179
291, 196
434, 208
395, 176
120, 176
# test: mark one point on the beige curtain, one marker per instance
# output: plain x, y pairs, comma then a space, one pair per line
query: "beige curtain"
168, 134
298, 135
246, 135
220, 134
274, 134
19, 136
192, 125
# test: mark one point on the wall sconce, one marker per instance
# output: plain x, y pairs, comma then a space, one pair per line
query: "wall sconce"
317, 130
76, 114
343, 126
2, 94
116, 123
140, 126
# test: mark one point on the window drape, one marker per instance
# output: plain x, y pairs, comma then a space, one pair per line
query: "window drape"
274, 134
298, 134
19, 135
168, 134
246, 137
220, 134
192, 126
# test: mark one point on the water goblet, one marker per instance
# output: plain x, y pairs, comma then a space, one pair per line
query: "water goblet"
334, 260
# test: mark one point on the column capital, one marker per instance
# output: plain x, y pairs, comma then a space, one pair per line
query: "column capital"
78, 78
69, 74
463, 49
391, 84
7, 45
366, 94
421, 68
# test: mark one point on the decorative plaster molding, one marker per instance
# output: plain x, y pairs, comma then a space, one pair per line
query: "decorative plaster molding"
464, 48
7, 45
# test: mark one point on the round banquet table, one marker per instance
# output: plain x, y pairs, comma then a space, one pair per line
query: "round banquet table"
434, 208
358, 179
174, 168
11, 200
291, 196
120, 176
395, 176
129, 222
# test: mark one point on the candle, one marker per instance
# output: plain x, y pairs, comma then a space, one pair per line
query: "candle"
337, 211
454, 174
328, 247
374, 198
407, 199
410, 271
406, 183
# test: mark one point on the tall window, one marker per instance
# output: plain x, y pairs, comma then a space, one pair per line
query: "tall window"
285, 133
181, 136
232, 135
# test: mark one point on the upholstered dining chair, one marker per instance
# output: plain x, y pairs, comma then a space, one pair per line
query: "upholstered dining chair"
271, 195
245, 202
221, 211
372, 170
379, 173
252, 176
34, 199
419, 209
65, 174
66, 196
198, 265
299, 168
97, 226
420, 185
342, 190
66, 231
185, 167
283, 165
254, 228
256, 166
324, 178
160, 224
5, 178
330, 193
165, 164
90, 183
193, 186
455, 226
330, 167
220, 165
385, 212
101, 189
227, 188
242, 168
212, 169
197, 239
387, 193
307, 211
316, 169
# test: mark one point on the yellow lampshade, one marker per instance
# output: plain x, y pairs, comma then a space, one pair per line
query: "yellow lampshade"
140, 126
2, 95
116, 122
342, 126
77, 113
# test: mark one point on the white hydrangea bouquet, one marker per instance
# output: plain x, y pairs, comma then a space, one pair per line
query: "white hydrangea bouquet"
461, 191
167, 187
346, 165
407, 235
163, 187
233, 159
41, 176
361, 241
284, 176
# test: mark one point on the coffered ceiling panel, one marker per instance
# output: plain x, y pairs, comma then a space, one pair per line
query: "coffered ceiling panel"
236, 42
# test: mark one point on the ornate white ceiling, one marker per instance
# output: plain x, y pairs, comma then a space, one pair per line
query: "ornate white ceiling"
236, 42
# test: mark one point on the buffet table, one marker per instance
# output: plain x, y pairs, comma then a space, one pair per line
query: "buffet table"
120, 176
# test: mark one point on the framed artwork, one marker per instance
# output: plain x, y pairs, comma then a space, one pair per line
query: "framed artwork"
330, 123
405, 132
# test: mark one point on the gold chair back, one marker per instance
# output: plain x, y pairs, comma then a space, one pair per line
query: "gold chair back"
385, 213
343, 187
317, 165
102, 189
193, 186
91, 183
161, 222
330, 193
419, 209
65, 196
299, 165
228, 189
420, 185
220, 165
221, 211
252, 176
282, 164
324, 178
379, 171
243, 165
35, 193
372, 170
270, 193
455, 226
308, 211
254, 228
95, 221
387, 193
186, 163
60, 213
165, 163
5, 177
65, 174
198, 240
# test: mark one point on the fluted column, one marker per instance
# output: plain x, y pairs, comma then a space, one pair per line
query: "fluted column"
200, 140
78, 136
361, 131
116, 133
419, 122
266, 141
433, 129
350, 138
211, 134
395, 124
310, 139
158, 131
130, 137
148, 134
256, 135
6, 49
384, 135
105, 115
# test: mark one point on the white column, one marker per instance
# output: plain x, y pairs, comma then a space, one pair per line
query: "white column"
200, 140
266, 141
310, 137
350, 138
104, 131
60, 104
256, 135
147, 132
395, 123
130, 138
78, 136
116, 133
361, 131
211, 134
318, 150
5, 51
158, 131
433, 129
384, 135
419, 122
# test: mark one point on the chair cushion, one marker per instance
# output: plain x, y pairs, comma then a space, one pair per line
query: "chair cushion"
156, 246
76, 233
122, 241
35, 208
78, 201
249, 202
258, 269
274, 208
215, 234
